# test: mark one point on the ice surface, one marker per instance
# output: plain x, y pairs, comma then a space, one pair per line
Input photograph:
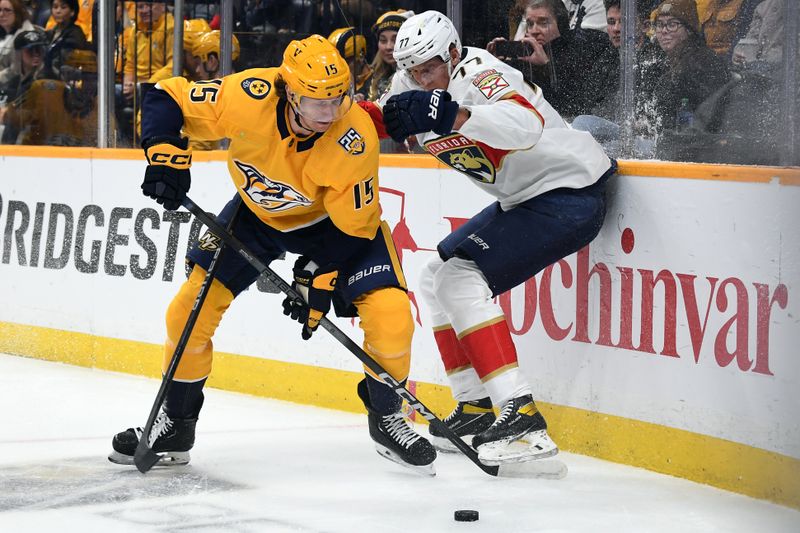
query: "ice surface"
268, 466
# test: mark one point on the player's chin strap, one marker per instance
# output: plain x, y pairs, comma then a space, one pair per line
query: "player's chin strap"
298, 117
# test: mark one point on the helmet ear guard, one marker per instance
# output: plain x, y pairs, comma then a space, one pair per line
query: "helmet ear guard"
425, 36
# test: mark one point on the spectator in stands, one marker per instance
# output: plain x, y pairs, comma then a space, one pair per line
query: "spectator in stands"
28, 66
724, 22
14, 19
60, 112
83, 18
604, 122
384, 65
762, 47
151, 48
30, 47
693, 71
570, 66
65, 36
193, 31
353, 48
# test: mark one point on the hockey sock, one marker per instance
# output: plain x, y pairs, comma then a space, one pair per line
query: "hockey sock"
184, 400
382, 399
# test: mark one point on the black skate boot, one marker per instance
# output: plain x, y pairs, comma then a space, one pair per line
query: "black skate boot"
467, 419
396, 440
519, 434
172, 435
171, 438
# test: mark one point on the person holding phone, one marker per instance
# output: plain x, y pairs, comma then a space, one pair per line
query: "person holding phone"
549, 182
570, 66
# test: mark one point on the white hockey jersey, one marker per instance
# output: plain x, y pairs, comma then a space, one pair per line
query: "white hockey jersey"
514, 145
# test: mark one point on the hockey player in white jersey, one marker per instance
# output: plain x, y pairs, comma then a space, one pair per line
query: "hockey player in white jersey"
477, 115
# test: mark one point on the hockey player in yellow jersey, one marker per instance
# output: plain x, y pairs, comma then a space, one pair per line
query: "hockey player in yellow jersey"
304, 163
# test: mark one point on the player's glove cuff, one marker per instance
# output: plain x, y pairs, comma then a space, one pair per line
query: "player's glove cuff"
169, 151
448, 111
317, 290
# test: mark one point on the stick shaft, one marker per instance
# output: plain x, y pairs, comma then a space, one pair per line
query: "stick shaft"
338, 334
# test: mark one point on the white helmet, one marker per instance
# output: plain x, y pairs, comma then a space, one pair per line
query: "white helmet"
424, 36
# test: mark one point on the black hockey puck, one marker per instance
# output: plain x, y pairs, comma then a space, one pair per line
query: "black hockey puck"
465, 515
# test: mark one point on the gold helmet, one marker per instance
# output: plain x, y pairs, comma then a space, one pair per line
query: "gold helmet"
314, 68
193, 30
210, 42
349, 43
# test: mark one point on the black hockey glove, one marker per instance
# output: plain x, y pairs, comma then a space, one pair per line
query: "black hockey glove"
317, 289
167, 178
415, 112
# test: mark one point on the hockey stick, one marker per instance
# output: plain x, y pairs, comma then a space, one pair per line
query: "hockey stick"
145, 458
234, 243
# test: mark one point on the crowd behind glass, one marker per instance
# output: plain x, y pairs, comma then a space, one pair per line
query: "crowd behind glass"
680, 80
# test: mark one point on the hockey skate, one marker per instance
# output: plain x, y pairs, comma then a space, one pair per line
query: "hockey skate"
467, 419
396, 440
519, 434
171, 438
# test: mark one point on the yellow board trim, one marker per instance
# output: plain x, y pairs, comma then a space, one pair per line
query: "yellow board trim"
713, 461
660, 169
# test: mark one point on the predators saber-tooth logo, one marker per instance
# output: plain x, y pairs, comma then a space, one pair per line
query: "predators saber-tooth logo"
270, 195
352, 142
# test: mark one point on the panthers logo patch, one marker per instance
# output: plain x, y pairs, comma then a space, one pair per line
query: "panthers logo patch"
271, 195
352, 142
458, 152
256, 88
489, 83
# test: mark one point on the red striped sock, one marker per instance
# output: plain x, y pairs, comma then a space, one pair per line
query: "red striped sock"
490, 348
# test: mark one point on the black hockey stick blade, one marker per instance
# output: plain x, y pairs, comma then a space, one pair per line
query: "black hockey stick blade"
145, 458
234, 243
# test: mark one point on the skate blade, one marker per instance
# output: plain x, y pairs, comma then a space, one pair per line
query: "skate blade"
444, 445
532, 447
166, 459
539, 469
386, 453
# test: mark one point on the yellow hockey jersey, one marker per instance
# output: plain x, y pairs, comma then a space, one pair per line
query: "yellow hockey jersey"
288, 181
